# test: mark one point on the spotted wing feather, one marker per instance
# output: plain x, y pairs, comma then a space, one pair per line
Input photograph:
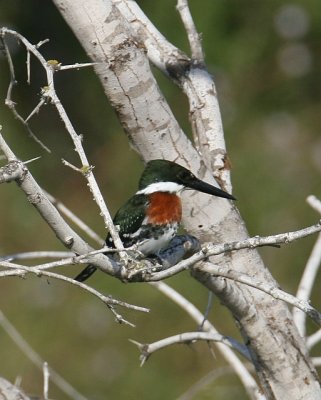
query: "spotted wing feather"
129, 218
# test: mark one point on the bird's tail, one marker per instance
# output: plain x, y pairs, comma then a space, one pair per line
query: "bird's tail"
85, 273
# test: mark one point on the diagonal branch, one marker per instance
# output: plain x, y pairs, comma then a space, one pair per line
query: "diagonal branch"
306, 284
272, 290
193, 37
63, 231
187, 337
313, 339
11, 392
309, 275
210, 249
9, 102
75, 219
315, 203
49, 95
107, 300
238, 367
196, 83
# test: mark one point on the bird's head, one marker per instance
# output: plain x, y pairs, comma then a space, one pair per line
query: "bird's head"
167, 176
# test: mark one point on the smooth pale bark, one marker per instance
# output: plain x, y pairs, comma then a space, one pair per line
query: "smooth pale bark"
279, 354
8, 391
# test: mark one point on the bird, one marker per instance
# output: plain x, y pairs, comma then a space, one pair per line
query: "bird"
151, 217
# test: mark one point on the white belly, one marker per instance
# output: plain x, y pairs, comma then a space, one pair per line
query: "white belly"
154, 245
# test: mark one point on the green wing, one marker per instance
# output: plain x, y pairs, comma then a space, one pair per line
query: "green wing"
130, 216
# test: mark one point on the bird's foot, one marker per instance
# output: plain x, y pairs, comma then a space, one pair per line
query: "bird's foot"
138, 271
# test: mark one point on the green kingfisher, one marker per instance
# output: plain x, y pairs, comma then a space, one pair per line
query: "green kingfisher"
150, 219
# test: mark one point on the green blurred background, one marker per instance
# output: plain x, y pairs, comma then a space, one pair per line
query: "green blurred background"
266, 59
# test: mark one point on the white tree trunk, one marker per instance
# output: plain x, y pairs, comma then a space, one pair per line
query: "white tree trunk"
279, 354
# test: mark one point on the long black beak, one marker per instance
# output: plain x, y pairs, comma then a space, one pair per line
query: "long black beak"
204, 187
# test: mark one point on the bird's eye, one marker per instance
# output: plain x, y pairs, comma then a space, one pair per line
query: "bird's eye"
186, 175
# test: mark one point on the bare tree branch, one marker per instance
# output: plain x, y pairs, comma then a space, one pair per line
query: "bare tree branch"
210, 249
306, 284
11, 392
147, 349
12, 171
196, 83
216, 270
65, 234
313, 339
46, 376
29, 255
9, 102
76, 220
238, 367
111, 33
108, 300
316, 361
49, 94
309, 275
193, 37
214, 250
315, 203
283, 365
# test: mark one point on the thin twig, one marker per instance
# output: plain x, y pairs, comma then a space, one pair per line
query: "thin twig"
73, 167
49, 213
28, 67
306, 284
11, 66
196, 83
49, 94
68, 257
6, 262
29, 255
31, 160
315, 203
108, 300
187, 337
77, 66
193, 37
265, 287
309, 275
46, 375
41, 43
208, 309
86, 169
35, 110
9, 102
75, 219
